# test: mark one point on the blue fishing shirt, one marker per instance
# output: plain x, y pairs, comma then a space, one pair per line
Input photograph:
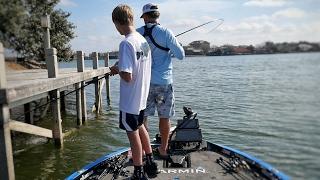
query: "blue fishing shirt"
161, 68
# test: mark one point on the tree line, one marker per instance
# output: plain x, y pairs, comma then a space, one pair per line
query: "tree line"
20, 28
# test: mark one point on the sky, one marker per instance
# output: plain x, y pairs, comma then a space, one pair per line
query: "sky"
246, 22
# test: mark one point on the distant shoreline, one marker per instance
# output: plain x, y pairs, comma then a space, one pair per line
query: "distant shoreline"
113, 57
254, 54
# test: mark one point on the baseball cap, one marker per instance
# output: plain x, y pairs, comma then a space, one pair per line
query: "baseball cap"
149, 8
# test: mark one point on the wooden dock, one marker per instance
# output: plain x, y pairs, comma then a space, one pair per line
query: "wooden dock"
22, 87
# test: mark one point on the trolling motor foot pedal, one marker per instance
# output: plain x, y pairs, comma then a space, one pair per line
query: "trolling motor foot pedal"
178, 162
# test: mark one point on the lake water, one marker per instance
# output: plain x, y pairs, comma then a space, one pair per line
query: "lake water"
265, 105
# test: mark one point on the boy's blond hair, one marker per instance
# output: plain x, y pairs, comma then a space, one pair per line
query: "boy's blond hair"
123, 15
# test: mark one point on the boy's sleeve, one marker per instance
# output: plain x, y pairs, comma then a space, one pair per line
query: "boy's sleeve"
126, 57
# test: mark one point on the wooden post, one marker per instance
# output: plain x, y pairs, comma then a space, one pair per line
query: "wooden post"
51, 59
78, 98
95, 63
106, 64
80, 67
6, 158
63, 101
28, 113
78, 103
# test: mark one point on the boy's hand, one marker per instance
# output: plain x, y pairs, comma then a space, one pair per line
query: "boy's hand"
114, 70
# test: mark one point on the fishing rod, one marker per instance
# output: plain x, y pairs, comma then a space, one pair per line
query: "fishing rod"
221, 21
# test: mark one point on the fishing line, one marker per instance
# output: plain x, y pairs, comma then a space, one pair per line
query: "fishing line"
209, 22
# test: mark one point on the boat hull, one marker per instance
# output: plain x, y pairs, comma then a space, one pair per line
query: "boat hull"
212, 161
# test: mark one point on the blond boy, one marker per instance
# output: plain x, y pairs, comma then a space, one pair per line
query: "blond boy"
134, 68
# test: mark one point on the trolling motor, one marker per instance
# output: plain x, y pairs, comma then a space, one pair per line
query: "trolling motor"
187, 129
184, 139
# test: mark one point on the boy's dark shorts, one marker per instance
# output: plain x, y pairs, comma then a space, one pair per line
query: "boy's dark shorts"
130, 122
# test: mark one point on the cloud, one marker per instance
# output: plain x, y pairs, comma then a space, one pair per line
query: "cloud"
290, 13
265, 3
257, 29
67, 3
96, 43
190, 13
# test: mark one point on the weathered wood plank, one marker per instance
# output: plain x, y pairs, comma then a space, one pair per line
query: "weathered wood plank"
52, 66
52, 62
3, 95
63, 101
3, 79
84, 103
28, 113
57, 127
35, 87
95, 64
78, 104
81, 68
30, 129
106, 64
6, 158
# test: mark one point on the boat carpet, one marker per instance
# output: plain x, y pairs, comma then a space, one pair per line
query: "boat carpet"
203, 167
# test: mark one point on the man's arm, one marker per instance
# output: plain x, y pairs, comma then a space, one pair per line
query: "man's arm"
175, 47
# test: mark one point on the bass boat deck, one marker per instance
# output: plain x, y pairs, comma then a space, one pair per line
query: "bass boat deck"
190, 158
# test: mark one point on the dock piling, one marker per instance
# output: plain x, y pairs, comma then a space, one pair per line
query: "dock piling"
78, 95
95, 63
63, 101
106, 64
28, 113
6, 158
80, 67
78, 104
51, 59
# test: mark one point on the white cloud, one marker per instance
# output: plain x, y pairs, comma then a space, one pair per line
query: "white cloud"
245, 33
179, 15
266, 3
67, 3
257, 29
290, 13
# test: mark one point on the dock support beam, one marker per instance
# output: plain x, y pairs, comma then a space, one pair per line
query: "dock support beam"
80, 67
78, 103
63, 101
95, 63
106, 64
6, 158
28, 113
52, 65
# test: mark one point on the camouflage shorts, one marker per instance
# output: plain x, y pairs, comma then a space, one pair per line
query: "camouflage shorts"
162, 98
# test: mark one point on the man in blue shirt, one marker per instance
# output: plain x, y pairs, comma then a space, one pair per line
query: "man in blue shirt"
163, 44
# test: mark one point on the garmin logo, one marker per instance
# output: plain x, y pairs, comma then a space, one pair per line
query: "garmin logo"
198, 170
